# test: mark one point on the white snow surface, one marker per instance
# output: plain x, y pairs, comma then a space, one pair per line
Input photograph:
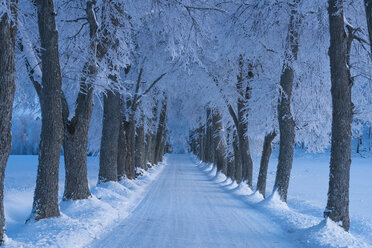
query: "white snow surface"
187, 208
184, 203
81, 221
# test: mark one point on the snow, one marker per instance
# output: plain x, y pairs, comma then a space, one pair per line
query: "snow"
80, 221
186, 203
187, 207
307, 198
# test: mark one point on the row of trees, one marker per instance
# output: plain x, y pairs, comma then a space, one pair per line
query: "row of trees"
240, 74
99, 61
223, 136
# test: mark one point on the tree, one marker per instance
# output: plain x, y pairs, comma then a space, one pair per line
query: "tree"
45, 202
342, 115
285, 119
265, 158
8, 30
110, 46
160, 134
219, 142
76, 130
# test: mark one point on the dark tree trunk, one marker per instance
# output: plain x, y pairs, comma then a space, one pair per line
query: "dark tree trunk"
148, 142
76, 130
163, 142
130, 133
140, 145
8, 30
245, 155
219, 141
201, 143
266, 153
122, 146
45, 202
152, 145
238, 163
110, 137
338, 194
285, 119
75, 146
231, 159
209, 151
161, 131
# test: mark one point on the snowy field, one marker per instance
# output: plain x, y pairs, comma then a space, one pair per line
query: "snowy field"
80, 222
92, 221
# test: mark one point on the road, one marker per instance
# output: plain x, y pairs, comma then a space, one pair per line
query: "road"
185, 208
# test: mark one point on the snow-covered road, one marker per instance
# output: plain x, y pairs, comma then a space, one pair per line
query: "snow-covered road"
185, 208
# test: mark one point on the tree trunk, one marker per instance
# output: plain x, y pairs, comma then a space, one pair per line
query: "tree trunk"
266, 153
201, 143
231, 159
8, 30
285, 119
45, 202
338, 194
148, 139
209, 151
219, 141
238, 163
131, 143
110, 137
76, 130
122, 146
161, 131
245, 155
151, 155
140, 145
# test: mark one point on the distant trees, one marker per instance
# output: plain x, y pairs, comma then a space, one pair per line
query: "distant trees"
8, 30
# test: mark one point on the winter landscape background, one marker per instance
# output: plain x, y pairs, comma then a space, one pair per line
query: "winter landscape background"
185, 123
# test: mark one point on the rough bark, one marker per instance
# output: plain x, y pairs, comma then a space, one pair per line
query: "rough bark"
338, 194
154, 120
209, 151
76, 130
219, 141
201, 143
111, 117
140, 145
238, 164
242, 127
110, 137
265, 158
285, 119
45, 202
161, 131
122, 147
231, 159
148, 142
8, 30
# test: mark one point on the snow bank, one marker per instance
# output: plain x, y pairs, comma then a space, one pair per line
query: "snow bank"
303, 215
81, 221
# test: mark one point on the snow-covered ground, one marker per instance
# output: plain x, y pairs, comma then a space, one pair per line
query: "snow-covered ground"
80, 222
309, 185
185, 208
307, 199
186, 205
